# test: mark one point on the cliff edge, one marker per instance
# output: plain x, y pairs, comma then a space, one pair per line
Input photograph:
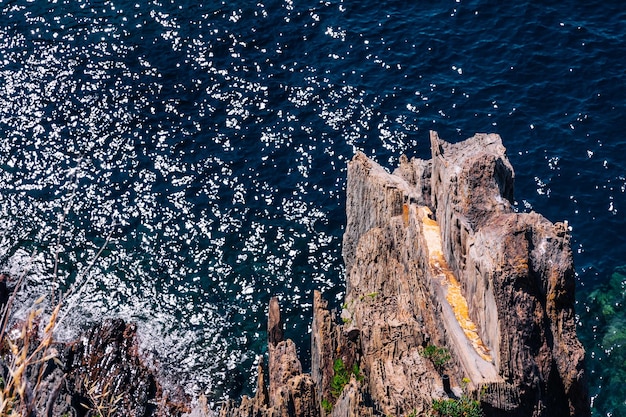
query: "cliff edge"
437, 262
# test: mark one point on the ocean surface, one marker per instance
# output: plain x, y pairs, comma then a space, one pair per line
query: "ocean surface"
177, 163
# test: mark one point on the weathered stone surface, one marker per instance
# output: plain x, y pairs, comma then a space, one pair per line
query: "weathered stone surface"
351, 403
472, 181
105, 368
517, 273
417, 173
325, 339
435, 254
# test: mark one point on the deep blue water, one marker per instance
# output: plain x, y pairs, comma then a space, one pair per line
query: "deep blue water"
208, 141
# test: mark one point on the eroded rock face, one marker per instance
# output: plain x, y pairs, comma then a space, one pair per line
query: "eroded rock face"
105, 370
517, 273
435, 255
102, 373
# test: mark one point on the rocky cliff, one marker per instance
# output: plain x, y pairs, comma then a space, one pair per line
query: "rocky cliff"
437, 261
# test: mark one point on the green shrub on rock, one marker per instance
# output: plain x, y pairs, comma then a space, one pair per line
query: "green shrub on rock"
463, 407
341, 377
439, 356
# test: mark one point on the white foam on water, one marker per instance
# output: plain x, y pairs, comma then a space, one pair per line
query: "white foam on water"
100, 139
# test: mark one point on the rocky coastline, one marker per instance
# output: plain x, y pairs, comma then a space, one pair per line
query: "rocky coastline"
437, 260
452, 299
101, 373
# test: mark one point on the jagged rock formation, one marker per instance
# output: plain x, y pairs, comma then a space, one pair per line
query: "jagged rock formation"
517, 274
105, 368
436, 255
101, 373
289, 392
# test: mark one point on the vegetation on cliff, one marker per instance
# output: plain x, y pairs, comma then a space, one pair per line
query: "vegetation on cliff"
23, 354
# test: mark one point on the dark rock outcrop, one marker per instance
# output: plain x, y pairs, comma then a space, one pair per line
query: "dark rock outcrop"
105, 365
101, 373
436, 255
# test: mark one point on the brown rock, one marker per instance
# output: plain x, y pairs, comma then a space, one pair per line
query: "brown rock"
434, 254
290, 392
518, 276
109, 360
274, 323
324, 344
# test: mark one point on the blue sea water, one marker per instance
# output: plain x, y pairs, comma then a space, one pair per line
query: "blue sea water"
204, 145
